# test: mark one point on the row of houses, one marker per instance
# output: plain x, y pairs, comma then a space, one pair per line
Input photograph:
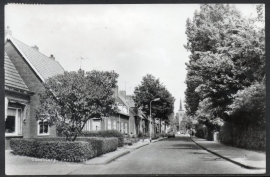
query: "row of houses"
26, 69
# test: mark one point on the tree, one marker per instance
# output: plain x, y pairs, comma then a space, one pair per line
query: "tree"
227, 55
150, 89
71, 99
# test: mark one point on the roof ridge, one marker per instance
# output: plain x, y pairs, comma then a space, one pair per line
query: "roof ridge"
32, 48
42, 65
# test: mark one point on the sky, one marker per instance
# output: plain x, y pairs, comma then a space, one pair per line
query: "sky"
132, 40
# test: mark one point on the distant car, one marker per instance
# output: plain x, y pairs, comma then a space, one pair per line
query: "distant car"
171, 135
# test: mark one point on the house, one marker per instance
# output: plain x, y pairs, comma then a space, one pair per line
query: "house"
122, 121
140, 120
26, 69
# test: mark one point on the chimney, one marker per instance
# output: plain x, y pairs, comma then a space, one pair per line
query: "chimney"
35, 47
52, 57
8, 32
81, 72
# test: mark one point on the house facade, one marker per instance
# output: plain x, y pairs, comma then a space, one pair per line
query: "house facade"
123, 121
26, 69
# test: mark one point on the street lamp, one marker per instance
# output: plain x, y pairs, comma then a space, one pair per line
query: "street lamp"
156, 99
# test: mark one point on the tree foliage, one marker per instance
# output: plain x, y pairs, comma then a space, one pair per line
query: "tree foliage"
71, 99
149, 89
227, 60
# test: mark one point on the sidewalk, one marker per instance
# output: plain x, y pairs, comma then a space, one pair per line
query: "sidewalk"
244, 158
111, 156
23, 165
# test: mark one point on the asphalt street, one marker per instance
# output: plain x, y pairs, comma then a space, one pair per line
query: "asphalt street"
170, 156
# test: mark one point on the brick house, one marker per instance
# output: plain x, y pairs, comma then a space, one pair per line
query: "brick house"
26, 69
140, 119
122, 121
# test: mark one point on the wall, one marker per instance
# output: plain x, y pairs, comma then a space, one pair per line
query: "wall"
34, 84
115, 117
132, 130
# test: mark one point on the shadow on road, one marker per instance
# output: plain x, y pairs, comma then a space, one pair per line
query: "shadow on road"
182, 139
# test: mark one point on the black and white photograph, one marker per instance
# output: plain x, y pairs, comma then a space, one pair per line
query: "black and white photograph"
135, 89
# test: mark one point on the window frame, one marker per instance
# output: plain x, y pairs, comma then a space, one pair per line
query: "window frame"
114, 125
126, 128
18, 128
38, 128
109, 127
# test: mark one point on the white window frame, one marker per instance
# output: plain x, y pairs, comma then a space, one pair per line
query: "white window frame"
114, 125
122, 127
18, 123
42, 134
126, 128
109, 127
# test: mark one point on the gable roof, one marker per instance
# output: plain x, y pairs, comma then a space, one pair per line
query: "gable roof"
123, 100
43, 66
130, 101
12, 77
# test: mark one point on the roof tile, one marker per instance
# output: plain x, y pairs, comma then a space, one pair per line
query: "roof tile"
12, 77
45, 66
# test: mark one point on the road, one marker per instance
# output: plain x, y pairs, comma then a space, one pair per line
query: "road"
169, 156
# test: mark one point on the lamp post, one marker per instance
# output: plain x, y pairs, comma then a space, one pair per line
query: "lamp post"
157, 99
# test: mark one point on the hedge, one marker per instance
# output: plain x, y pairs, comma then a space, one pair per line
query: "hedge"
74, 151
101, 145
248, 137
57, 148
105, 134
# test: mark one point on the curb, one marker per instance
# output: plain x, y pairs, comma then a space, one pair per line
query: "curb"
158, 140
140, 146
110, 159
135, 148
228, 159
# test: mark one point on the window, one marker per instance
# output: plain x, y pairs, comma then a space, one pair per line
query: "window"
87, 126
109, 124
43, 127
126, 129
122, 127
114, 125
96, 124
13, 124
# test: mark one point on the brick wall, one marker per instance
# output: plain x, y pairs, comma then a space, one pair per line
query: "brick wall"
34, 84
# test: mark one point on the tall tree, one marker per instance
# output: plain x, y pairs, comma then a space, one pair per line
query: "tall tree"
227, 55
149, 89
71, 99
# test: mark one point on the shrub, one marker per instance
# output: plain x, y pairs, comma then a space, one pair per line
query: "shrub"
101, 145
57, 148
200, 133
22, 146
243, 136
76, 151
105, 134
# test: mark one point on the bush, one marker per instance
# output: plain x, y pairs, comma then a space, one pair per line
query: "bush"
243, 136
105, 134
23, 146
57, 148
101, 145
75, 151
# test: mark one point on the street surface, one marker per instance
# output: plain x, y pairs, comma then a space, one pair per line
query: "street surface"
170, 156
